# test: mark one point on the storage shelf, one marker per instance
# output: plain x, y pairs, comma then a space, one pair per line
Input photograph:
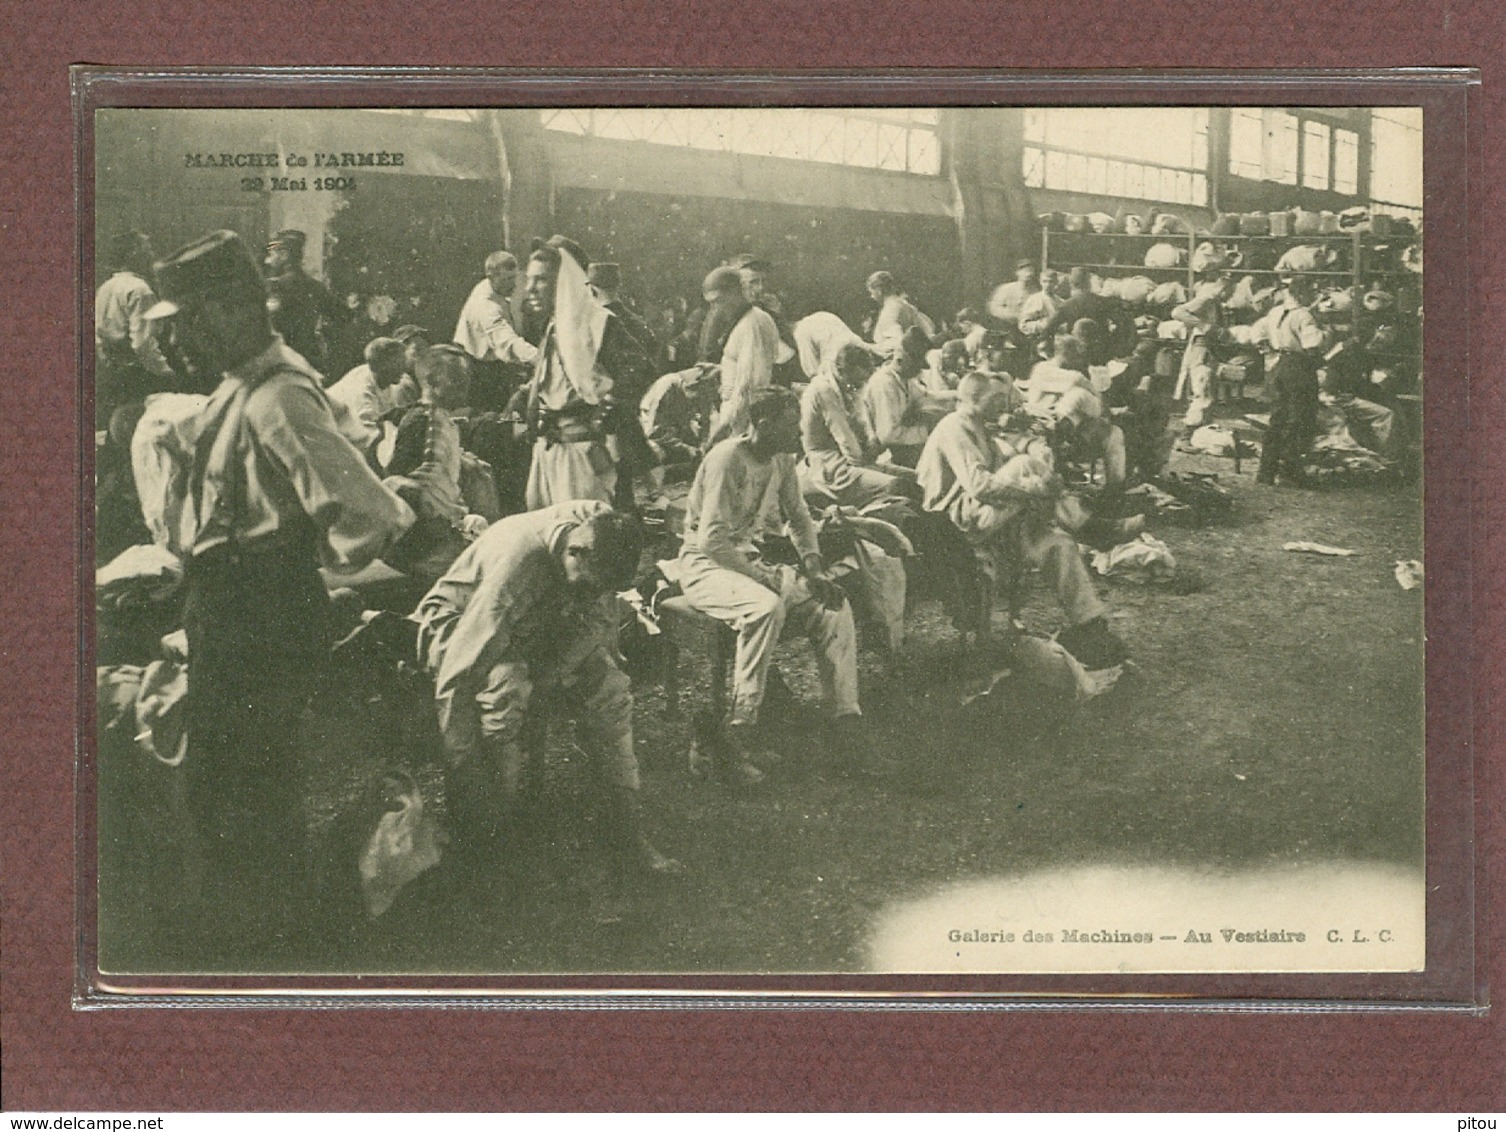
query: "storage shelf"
1345, 236
1357, 273
1180, 268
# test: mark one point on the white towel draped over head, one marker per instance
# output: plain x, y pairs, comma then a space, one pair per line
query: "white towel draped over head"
580, 322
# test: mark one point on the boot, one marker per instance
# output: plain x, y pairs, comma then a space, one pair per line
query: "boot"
481, 801
632, 856
1093, 644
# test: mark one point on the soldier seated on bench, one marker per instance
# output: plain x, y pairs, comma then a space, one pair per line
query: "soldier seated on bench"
430, 470
743, 480
1059, 393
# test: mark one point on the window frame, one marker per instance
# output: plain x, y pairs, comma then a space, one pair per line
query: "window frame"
1302, 175
926, 160
1134, 175
1377, 202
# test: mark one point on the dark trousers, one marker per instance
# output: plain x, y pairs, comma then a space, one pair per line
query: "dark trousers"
258, 634
1294, 417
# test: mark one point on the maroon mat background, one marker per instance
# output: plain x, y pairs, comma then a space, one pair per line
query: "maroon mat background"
56, 1059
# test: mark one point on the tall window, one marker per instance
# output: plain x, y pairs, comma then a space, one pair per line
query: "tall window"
1315, 154
1396, 159
1263, 144
1149, 153
900, 140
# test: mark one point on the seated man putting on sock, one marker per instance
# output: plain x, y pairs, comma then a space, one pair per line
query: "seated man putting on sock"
1059, 393
1007, 501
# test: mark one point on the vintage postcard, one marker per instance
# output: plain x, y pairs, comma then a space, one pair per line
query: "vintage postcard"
829, 540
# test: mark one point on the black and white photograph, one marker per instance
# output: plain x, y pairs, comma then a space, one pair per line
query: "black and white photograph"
681, 540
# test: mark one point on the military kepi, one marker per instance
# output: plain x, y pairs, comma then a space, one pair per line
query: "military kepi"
211, 265
293, 239
608, 275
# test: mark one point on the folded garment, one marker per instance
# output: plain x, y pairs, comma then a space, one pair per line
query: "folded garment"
137, 576
1216, 441
1050, 663
405, 842
1134, 290
1319, 548
1171, 294
161, 711
1306, 257
1144, 559
117, 686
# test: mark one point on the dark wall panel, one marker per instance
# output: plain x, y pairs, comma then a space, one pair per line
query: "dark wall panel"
821, 256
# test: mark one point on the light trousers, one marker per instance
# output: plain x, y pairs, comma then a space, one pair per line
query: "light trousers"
761, 616
1198, 368
595, 692
566, 470
1040, 542
1370, 424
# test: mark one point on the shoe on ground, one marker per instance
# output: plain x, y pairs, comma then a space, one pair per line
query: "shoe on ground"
1093, 644
746, 754
1105, 534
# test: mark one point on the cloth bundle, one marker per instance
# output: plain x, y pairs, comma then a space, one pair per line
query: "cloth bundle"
162, 450
1165, 256
1172, 294
1133, 290
1208, 257
1248, 298
1214, 440
150, 700
1145, 559
1047, 662
1306, 257
405, 843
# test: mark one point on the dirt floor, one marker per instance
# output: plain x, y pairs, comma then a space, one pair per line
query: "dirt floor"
1273, 716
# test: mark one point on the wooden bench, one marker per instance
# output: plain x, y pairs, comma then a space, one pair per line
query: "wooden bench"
688, 630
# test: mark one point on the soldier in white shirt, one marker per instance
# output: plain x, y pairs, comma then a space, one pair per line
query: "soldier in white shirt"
358, 396
1299, 342
742, 480
129, 364
749, 354
488, 332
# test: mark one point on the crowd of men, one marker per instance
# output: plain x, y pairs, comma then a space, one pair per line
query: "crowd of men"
498, 472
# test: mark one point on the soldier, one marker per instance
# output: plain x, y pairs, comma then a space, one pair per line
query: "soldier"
1299, 342
129, 362
524, 620
274, 492
488, 332
581, 403
298, 302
